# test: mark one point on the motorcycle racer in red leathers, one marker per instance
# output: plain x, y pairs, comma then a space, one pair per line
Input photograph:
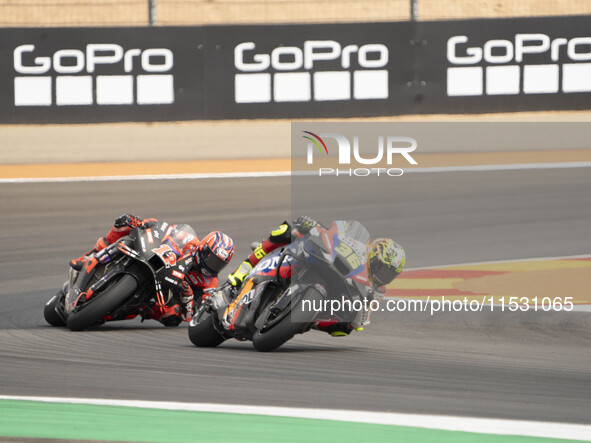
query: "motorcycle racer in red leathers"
385, 261
210, 256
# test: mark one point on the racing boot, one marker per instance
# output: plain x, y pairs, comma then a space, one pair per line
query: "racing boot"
169, 316
335, 328
101, 244
120, 229
279, 237
237, 277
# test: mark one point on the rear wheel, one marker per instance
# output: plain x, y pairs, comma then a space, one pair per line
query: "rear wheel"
50, 312
103, 304
269, 339
202, 331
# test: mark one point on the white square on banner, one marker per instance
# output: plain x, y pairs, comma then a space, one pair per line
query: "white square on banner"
540, 79
155, 89
329, 85
576, 77
292, 87
252, 88
502, 80
114, 90
369, 84
464, 81
32, 91
73, 90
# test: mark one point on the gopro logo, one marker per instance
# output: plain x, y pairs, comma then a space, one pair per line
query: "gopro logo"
75, 77
359, 74
503, 67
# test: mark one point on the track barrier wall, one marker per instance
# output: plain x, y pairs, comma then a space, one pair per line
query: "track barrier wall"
77, 75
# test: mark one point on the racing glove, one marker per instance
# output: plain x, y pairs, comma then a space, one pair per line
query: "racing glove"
304, 224
187, 301
134, 221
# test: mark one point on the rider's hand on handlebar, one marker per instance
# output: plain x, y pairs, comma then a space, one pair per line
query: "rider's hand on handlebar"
188, 310
148, 223
304, 224
187, 301
128, 220
134, 221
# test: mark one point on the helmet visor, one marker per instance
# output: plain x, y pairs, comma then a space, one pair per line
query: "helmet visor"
212, 261
381, 273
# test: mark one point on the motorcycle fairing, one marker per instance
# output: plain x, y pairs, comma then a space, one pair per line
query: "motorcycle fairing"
241, 313
308, 263
268, 266
348, 241
143, 247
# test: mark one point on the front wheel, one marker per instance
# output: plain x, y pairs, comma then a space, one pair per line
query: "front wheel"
50, 310
104, 303
266, 340
202, 331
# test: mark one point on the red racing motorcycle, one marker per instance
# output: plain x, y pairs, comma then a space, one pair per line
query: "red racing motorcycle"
128, 278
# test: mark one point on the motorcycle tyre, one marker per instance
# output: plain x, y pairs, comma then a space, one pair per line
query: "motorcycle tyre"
50, 313
105, 302
286, 329
204, 334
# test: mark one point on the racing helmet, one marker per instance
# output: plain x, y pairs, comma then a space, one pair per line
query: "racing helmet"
214, 252
385, 261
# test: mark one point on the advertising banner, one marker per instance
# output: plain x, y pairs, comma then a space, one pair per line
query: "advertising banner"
504, 65
309, 70
75, 75
68, 75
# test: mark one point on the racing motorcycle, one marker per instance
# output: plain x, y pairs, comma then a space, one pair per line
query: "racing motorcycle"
126, 279
288, 292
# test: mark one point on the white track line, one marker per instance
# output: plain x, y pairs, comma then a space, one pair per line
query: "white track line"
440, 422
510, 167
477, 168
147, 177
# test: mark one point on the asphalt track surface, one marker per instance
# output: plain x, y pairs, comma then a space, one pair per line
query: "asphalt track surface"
518, 369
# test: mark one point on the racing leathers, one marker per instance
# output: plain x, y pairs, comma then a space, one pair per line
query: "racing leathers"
278, 238
198, 283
